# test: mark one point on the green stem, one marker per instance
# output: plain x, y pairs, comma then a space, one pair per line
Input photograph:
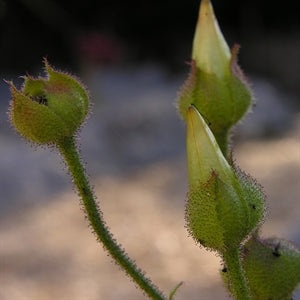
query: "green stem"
222, 140
236, 275
68, 150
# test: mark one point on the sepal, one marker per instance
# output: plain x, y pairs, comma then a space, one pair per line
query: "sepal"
48, 109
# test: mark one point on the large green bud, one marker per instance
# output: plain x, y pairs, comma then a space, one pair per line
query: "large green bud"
216, 86
224, 206
272, 268
49, 109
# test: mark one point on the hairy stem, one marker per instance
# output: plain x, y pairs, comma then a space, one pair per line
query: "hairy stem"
236, 275
69, 152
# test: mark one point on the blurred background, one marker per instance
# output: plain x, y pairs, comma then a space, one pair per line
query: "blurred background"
133, 58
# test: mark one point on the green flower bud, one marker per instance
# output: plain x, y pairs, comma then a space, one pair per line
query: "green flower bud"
203, 152
272, 268
216, 86
48, 109
210, 51
224, 206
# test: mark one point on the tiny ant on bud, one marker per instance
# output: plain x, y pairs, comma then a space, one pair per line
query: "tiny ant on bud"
40, 99
275, 251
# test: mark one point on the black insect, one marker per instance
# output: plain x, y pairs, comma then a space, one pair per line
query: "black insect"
41, 99
276, 250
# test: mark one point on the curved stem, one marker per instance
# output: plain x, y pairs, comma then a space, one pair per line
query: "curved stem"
236, 275
68, 150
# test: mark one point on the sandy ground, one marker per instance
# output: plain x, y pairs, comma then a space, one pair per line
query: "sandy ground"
48, 251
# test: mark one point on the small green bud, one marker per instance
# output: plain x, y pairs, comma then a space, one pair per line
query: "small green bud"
210, 50
272, 267
216, 86
48, 109
203, 153
219, 211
